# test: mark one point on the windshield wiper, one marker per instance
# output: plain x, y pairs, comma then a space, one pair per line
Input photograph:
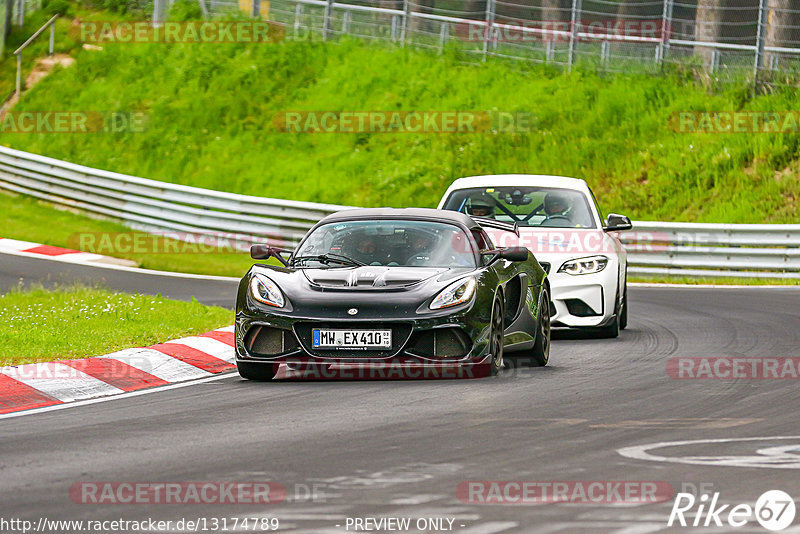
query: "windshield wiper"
329, 258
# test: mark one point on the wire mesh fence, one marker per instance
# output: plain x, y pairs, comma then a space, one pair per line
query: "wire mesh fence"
730, 38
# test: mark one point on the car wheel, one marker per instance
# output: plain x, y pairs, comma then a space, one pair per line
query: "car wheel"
259, 372
541, 349
623, 317
496, 337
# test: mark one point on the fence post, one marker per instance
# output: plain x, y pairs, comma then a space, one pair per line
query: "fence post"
666, 29
326, 20
444, 33
346, 22
19, 74
52, 37
576, 9
255, 10
406, 17
489, 25
762, 26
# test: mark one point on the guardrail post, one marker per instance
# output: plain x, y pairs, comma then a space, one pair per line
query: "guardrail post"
157, 8
489, 34
762, 25
326, 20
255, 10
574, 22
52, 38
444, 33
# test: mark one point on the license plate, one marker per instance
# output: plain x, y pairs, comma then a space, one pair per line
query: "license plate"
351, 339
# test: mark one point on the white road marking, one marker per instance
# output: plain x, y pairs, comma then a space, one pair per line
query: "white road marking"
773, 458
60, 381
158, 364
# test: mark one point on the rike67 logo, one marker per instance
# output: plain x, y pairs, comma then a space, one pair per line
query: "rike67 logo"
774, 510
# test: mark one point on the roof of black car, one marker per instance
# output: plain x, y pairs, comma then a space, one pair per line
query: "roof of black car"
403, 213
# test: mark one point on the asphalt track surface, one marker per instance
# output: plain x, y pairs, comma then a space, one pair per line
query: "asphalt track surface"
401, 448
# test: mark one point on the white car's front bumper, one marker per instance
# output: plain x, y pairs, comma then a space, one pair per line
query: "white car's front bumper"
584, 299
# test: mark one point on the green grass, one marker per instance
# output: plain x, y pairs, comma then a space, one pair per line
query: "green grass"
28, 220
33, 322
210, 110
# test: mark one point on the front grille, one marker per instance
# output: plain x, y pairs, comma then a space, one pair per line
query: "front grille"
268, 341
400, 333
579, 308
449, 342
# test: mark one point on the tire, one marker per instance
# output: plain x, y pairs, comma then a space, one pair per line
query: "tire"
260, 372
623, 317
496, 342
541, 349
539, 354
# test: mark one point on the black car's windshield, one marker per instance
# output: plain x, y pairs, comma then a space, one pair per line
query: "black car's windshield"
406, 243
527, 206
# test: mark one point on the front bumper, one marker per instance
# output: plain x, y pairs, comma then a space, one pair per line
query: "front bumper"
449, 341
586, 300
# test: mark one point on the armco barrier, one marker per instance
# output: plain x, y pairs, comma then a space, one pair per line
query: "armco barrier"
658, 248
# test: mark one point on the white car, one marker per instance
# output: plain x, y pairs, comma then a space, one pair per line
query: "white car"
560, 222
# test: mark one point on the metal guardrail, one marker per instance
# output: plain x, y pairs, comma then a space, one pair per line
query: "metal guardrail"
159, 206
657, 248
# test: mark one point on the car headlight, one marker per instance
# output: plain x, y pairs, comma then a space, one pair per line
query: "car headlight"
455, 294
265, 290
592, 264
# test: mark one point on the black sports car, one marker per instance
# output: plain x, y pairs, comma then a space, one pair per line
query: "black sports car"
416, 291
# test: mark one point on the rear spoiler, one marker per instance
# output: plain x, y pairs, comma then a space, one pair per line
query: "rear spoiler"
498, 225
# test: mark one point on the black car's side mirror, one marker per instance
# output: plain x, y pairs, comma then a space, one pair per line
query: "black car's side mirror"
617, 223
514, 253
263, 252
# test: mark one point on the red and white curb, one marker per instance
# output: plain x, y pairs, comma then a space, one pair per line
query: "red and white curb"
59, 253
37, 385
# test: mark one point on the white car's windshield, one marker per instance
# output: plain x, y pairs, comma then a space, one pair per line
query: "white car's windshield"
386, 242
527, 206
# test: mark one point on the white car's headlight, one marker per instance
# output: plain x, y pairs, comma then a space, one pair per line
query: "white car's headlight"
265, 290
455, 294
592, 264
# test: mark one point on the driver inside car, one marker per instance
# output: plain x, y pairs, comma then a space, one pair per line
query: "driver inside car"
420, 247
481, 205
557, 210
366, 249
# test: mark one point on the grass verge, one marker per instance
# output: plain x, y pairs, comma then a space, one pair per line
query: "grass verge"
33, 322
210, 110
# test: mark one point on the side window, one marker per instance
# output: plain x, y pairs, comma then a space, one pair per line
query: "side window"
483, 240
